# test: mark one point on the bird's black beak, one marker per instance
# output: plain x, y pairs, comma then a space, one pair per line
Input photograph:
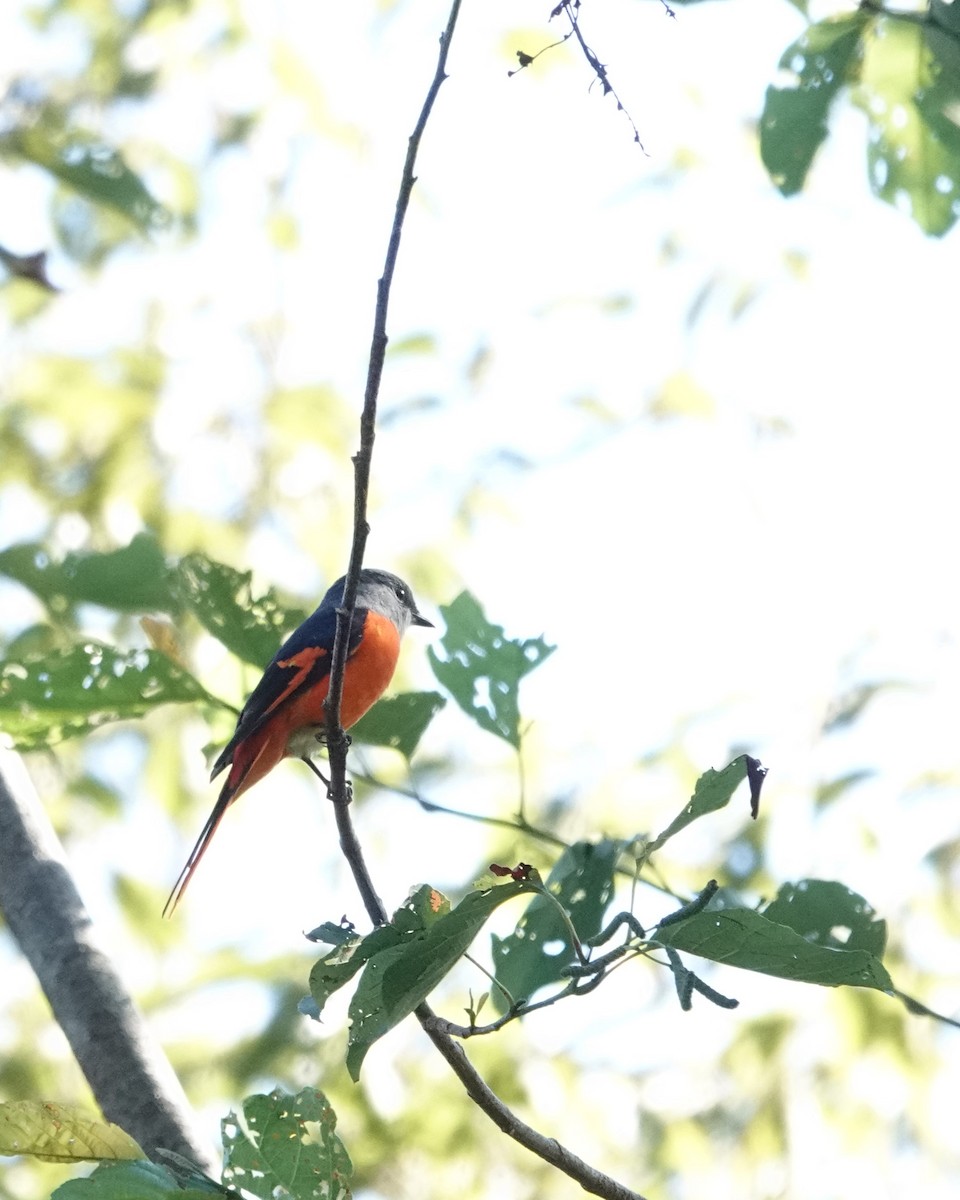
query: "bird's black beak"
416, 619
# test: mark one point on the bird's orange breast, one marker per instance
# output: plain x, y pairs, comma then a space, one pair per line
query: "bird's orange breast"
367, 675
370, 668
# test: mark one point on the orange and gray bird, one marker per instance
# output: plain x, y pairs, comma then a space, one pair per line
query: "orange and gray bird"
284, 715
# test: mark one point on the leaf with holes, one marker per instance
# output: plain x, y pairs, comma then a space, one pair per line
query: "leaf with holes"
61, 1133
828, 913
65, 693
286, 1145
397, 980
794, 122
482, 669
913, 152
222, 600
539, 948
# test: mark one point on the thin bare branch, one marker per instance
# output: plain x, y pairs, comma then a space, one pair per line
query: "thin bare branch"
548, 1149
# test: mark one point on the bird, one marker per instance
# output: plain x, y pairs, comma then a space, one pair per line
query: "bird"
284, 714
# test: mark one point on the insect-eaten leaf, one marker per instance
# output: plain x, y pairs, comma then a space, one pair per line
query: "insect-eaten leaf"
533, 956
222, 600
403, 961
66, 693
823, 60
828, 913
482, 668
286, 1145
62, 1133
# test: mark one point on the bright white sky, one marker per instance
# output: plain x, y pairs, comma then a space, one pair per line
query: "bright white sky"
714, 569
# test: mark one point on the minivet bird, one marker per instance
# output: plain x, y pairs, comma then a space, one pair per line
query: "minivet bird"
284, 715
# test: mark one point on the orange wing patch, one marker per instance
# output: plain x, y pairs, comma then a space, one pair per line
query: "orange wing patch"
304, 661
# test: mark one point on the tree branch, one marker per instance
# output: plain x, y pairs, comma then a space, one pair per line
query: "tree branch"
548, 1149
128, 1073
336, 739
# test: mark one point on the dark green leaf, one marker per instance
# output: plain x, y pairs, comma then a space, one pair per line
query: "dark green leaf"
290, 1143
399, 978
422, 908
533, 955
332, 934
398, 722
95, 170
794, 121
829, 914
747, 939
345, 960
712, 792
68, 692
141, 1180
482, 669
221, 599
134, 578
946, 14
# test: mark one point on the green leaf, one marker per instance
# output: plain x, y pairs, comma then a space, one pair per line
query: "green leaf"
222, 600
134, 578
92, 168
340, 965
61, 1133
539, 948
422, 908
913, 151
287, 1145
713, 791
794, 123
398, 722
398, 979
482, 668
740, 937
138, 578
828, 913
946, 13
65, 693
140, 1180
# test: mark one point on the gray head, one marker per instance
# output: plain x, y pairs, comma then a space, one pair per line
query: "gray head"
387, 594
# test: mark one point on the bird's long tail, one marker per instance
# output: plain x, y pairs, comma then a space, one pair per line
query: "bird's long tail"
252, 758
227, 796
